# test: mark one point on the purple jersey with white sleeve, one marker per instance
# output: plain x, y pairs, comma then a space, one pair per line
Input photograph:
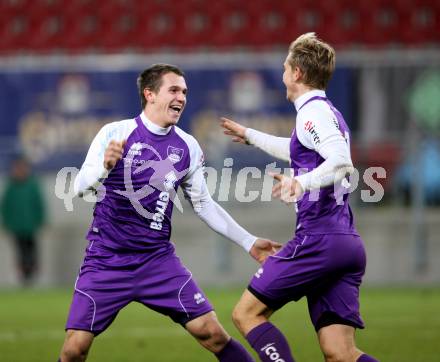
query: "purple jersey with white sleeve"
130, 256
140, 190
325, 260
325, 210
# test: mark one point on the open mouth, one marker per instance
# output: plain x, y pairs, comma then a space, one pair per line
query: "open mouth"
176, 109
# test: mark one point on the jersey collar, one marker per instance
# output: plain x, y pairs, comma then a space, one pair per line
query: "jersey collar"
154, 128
299, 102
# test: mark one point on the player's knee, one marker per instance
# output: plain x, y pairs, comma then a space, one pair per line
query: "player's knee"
337, 358
74, 353
214, 339
338, 354
210, 334
239, 316
75, 349
218, 338
337, 343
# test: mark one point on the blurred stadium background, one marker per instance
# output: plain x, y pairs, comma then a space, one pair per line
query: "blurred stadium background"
68, 67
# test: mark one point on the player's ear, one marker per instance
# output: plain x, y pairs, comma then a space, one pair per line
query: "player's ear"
297, 74
149, 95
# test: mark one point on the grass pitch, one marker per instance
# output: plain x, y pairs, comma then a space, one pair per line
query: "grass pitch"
403, 325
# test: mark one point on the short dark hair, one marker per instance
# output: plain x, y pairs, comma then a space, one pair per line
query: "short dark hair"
151, 78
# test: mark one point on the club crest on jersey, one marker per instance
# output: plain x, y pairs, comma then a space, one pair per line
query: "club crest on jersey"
174, 154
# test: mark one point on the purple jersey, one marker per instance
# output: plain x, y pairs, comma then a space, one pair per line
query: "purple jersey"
319, 214
135, 213
325, 261
130, 256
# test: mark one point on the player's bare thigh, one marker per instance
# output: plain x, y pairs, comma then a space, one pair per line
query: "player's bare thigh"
250, 312
208, 331
76, 345
337, 343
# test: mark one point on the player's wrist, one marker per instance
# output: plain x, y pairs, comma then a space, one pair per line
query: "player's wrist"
249, 134
249, 242
304, 181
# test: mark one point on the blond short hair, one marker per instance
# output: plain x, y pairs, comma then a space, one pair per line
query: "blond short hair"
315, 59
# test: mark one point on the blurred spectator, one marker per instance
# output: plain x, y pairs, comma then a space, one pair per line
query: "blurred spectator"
430, 177
23, 213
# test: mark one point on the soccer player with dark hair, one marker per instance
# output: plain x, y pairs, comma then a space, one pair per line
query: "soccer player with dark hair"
325, 261
135, 166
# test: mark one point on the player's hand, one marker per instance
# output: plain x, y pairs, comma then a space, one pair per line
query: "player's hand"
262, 248
287, 189
234, 129
113, 153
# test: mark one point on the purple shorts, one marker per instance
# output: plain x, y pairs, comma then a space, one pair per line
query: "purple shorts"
107, 282
327, 269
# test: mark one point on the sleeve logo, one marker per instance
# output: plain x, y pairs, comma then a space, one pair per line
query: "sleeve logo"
202, 160
310, 127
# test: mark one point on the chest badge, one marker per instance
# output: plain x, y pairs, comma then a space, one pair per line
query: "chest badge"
174, 154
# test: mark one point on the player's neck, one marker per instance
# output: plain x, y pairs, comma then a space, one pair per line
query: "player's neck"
306, 96
301, 90
153, 118
153, 125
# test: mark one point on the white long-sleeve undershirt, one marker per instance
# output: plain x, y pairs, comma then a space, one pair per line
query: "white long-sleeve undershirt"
221, 222
278, 147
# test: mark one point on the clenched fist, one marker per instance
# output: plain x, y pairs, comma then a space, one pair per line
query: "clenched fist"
113, 153
288, 189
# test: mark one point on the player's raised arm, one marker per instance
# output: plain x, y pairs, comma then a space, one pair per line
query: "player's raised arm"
104, 152
278, 147
234, 129
92, 170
